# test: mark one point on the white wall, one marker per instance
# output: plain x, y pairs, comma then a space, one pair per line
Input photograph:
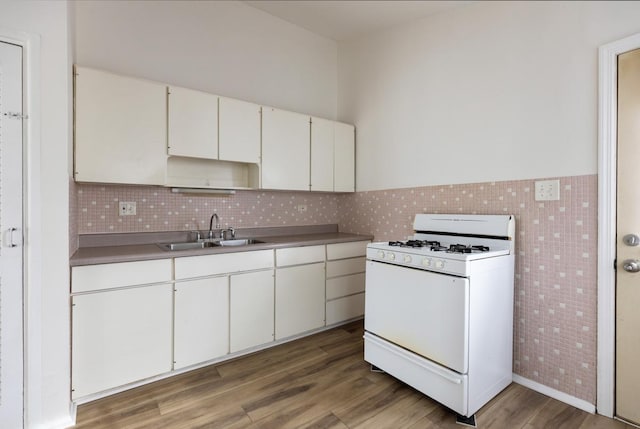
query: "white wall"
227, 48
48, 372
492, 91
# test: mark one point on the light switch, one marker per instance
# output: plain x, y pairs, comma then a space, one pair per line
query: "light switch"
547, 190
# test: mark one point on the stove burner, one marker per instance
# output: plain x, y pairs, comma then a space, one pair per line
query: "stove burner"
414, 243
439, 248
461, 248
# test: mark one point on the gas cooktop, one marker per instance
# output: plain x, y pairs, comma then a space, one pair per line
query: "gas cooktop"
435, 246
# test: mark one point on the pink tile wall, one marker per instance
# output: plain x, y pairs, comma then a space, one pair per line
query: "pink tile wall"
158, 209
555, 308
555, 284
73, 217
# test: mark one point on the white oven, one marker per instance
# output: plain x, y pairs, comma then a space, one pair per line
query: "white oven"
439, 308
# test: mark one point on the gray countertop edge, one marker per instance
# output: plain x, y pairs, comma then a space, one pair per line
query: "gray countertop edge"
145, 252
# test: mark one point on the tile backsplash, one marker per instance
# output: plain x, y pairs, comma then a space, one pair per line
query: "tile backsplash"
158, 209
556, 251
556, 257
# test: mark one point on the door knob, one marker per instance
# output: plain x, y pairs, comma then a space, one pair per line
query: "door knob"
631, 240
631, 265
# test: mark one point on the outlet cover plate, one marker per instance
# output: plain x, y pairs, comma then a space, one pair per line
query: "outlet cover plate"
127, 208
547, 190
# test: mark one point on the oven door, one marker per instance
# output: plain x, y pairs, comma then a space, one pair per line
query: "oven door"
424, 312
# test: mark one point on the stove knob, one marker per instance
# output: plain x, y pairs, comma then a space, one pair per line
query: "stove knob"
407, 259
391, 256
426, 262
440, 263
380, 254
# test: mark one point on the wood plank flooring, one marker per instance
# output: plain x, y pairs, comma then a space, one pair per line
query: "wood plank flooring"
319, 382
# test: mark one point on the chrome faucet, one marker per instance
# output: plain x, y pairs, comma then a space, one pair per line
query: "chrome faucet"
212, 234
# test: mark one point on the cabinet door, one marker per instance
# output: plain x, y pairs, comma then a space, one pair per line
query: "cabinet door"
300, 302
201, 325
119, 337
120, 129
285, 150
239, 128
251, 310
322, 132
193, 123
344, 158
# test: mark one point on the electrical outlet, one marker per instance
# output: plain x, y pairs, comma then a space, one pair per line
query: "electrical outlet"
302, 208
127, 208
547, 190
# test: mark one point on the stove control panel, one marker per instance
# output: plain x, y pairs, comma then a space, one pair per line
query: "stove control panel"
404, 258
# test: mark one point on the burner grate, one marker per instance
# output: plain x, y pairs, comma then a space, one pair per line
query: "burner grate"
414, 243
462, 248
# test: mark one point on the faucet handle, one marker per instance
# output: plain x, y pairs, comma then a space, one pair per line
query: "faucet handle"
197, 234
225, 234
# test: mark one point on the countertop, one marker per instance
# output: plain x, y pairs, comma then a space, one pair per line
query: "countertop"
142, 252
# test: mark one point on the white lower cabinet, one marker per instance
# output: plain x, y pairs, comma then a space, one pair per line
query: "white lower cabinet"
299, 299
135, 320
251, 310
345, 281
120, 336
201, 321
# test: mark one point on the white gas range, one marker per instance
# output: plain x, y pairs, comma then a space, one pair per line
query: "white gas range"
439, 308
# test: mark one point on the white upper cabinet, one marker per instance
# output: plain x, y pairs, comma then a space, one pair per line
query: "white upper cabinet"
285, 150
322, 135
120, 129
134, 131
239, 131
344, 158
193, 123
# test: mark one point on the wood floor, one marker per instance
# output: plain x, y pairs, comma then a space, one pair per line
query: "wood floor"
318, 382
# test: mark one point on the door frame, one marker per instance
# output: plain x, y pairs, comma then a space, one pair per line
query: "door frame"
607, 190
31, 218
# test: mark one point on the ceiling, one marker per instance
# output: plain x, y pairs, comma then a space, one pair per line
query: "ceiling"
345, 19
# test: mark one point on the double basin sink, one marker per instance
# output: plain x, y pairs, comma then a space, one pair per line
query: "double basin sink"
193, 245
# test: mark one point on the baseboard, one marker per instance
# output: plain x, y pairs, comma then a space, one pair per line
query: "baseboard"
555, 394
73, 412
65, 422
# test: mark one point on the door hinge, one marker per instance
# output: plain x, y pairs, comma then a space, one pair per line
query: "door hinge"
615, 264
15, 115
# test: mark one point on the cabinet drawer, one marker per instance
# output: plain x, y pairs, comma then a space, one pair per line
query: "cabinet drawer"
345, 308
345, 267
299, 255
346, 250
104, 276
345, 285
208, 265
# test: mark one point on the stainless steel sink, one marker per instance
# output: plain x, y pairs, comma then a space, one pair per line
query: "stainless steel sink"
239, 242
189, 245
206, 244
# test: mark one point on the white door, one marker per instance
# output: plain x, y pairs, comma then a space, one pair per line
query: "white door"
321, 154
239, 131
192, 123
286, 150
120, 129
11, 310
201, 321
628, 222
299, 299
400, 302
251, 310
344, 158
